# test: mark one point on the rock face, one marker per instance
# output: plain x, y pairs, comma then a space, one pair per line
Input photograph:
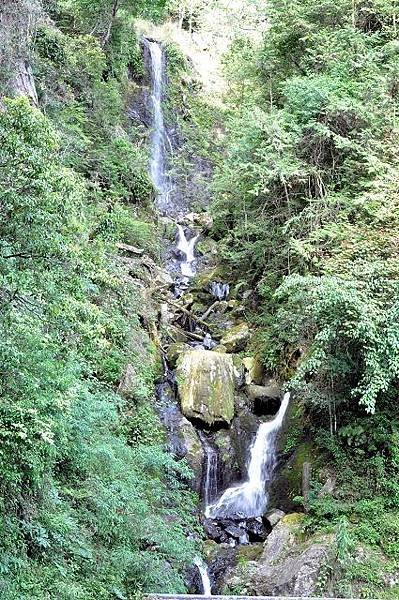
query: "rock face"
236, 338
266, 399
206, 386
287, 567
254, 371
182, 435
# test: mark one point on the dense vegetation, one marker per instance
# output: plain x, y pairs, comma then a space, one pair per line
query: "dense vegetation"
92, 505
306, 215
307, 207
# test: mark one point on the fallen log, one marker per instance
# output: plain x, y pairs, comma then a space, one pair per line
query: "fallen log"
129, 248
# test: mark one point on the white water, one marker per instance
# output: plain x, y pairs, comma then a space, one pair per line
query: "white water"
187, 247
249, 499
220, 290
158, 135
206, 582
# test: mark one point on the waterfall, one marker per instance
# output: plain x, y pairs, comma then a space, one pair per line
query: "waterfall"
249, 499
157, 167
187, 248
205, 580
210, 480
219, 290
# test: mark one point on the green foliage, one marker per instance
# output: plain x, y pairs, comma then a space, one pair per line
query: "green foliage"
93, 506
306, 212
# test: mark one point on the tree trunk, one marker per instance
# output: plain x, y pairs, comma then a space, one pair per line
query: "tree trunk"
115, 7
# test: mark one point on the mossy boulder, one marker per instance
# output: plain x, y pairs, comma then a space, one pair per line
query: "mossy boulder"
174, 351
206, 386
236, 338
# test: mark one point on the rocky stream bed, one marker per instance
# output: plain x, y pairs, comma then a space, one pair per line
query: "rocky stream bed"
221, 410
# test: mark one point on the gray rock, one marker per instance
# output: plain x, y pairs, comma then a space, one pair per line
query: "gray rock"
274, 516
288, 567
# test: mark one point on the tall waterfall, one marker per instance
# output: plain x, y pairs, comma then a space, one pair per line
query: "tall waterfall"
249, 499
158, 137
185, 245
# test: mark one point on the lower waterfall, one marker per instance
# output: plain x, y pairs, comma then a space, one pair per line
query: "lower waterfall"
205, 580
249, 499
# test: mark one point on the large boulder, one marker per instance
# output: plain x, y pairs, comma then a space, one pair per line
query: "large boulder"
236, 338
206, 386
289, 567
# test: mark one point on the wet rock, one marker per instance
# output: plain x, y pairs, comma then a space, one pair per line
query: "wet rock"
228, 464
242, 432
237, 531
182, 435
266, 399
289, 567
274, 516
257, 530
206, 386
174, 351
236, 338
254, 370
214, 531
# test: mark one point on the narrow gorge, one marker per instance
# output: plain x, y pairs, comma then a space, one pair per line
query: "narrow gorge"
220, 409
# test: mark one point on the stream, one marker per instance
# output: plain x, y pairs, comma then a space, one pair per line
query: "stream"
233, 501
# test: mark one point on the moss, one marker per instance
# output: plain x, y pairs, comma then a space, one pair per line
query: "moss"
293, 519
293, 470
249, 553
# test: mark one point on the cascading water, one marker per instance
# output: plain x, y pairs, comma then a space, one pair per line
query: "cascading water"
249, 499
157, 168
205, 580
219, 290
187, 248
210, 478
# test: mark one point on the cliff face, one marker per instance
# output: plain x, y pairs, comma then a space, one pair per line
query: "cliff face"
17, 22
